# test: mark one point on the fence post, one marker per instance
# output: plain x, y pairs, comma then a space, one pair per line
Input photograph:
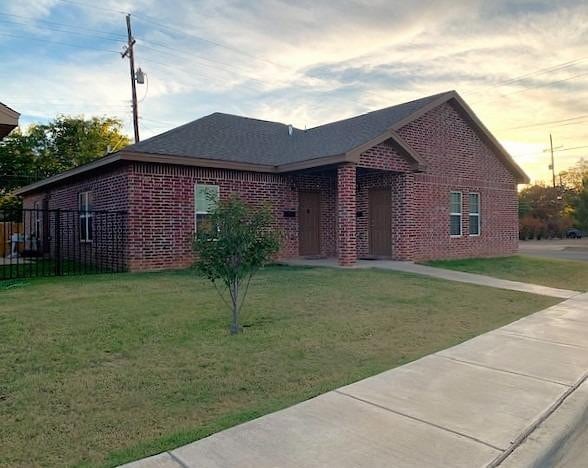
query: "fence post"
57, 242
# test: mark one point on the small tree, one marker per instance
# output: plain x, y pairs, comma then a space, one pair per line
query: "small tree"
232, 244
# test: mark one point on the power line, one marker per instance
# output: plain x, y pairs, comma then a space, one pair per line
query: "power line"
146, 19
176, 68
540, 124
529, 88
49, 28
540, 71
214, 63
92, 7
57, 23
47, 41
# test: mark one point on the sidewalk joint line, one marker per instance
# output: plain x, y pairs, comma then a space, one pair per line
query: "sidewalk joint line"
414, 418
177, 460
498, 369
530, 429
542, 340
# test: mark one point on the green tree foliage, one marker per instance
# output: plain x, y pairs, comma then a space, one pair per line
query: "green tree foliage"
542, 212
581, 207
546, 211
573, 178
232, 245
47, 149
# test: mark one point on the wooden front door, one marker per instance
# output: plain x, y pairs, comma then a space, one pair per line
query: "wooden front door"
380, 222
309, 219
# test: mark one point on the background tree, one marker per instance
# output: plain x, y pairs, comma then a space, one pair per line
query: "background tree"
581, 208
542, 212
232, 245
44, 150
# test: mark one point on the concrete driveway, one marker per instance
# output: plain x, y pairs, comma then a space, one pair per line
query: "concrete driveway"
467, 406
566, 249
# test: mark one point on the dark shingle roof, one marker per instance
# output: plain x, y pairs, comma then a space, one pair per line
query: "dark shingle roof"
227, 137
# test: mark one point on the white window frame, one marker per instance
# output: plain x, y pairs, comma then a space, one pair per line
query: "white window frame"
455, 213
478, 215
85, 216
196, 210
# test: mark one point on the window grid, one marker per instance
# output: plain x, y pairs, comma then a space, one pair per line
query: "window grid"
474, 214
86, 217
455, 216
206, 198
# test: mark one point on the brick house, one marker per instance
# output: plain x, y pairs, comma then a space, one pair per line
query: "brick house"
420, 180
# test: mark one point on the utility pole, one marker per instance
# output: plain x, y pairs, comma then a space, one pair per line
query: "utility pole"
129, 52
552, 161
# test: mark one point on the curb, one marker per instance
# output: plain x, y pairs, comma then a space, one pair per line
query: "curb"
540, 444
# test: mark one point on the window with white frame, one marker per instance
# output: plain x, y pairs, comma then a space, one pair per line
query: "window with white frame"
86, 205
206, 200
474, 207
455, 214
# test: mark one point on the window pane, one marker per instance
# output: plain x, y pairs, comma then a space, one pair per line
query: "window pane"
83, 232
206, 197
474, 224
455, 202
82, 201
89, 201
90, 234
474, 203
455, 225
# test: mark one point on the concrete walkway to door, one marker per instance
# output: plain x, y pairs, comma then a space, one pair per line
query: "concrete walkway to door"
451, 275
466, 406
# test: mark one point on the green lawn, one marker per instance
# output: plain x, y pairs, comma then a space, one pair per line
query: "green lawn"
100, 370
565, 274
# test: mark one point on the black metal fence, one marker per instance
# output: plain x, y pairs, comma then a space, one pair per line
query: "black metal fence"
43, 242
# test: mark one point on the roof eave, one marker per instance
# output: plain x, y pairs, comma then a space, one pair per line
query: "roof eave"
193, 161
67, 174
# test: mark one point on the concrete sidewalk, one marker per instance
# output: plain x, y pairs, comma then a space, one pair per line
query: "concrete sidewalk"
441, 273
466, 406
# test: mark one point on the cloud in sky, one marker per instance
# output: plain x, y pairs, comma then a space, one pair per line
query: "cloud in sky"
307, 62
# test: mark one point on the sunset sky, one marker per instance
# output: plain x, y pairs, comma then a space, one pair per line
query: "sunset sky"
521, 65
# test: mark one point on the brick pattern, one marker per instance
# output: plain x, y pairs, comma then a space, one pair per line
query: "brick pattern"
385, 158
458, 159
110, 244
163, 217
160, 198
346, 214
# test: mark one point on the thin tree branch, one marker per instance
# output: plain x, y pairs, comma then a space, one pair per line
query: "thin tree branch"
221, 294
246, 289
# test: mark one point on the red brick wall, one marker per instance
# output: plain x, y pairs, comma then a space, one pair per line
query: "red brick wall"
110, 192
384, 157
162, 209
457, 159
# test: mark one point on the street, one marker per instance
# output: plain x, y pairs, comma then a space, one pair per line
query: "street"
565, 249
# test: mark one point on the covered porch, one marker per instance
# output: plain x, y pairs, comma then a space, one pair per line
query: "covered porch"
348, 212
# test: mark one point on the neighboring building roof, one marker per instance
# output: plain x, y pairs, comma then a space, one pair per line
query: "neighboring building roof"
8, 120
230, 141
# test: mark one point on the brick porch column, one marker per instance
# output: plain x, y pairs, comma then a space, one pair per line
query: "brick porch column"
346, 212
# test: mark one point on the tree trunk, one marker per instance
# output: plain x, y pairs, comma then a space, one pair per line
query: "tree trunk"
235, 329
